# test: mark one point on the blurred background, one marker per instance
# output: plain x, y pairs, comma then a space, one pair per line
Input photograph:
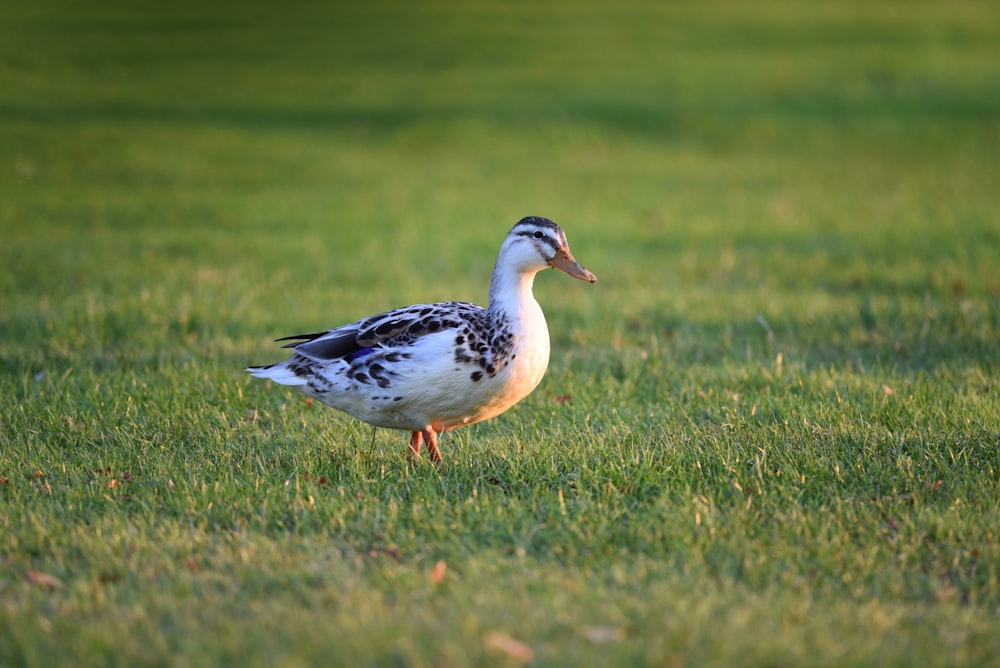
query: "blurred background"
212, 174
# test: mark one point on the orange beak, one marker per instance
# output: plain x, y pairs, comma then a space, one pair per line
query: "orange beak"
565, 261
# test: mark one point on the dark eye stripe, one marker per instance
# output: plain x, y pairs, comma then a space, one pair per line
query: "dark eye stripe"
546, 239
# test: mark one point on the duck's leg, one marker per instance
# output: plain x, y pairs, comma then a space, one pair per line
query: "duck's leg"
432, 444
415, 445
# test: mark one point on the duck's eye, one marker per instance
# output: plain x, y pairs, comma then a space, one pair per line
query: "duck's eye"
539, 235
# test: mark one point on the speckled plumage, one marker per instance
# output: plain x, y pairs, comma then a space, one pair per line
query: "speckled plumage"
429, 368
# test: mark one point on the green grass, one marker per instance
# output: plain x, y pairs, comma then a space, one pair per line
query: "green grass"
782, 439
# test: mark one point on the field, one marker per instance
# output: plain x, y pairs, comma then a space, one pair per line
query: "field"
769, 434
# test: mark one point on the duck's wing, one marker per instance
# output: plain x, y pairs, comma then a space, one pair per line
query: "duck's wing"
329, 345
392, 329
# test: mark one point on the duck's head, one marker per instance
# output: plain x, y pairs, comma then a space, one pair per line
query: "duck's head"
536, 243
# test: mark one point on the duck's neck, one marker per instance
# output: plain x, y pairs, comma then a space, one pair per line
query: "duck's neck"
514, 311
510, 291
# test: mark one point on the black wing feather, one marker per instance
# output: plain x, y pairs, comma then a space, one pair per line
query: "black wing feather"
406, 324
299, 338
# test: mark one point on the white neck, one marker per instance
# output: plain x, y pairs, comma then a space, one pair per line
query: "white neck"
511, 300
510, 289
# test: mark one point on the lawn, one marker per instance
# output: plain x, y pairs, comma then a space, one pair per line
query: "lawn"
769, 434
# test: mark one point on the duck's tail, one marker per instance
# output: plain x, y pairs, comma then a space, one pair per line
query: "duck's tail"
279, 373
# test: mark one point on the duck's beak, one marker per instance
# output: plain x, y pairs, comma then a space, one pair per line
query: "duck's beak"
565, 261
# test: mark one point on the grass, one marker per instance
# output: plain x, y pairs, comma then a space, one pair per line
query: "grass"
769, 435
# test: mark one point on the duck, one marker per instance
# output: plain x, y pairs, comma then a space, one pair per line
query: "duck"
431, 368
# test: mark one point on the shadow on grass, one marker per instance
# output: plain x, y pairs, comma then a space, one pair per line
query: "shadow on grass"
660, 118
